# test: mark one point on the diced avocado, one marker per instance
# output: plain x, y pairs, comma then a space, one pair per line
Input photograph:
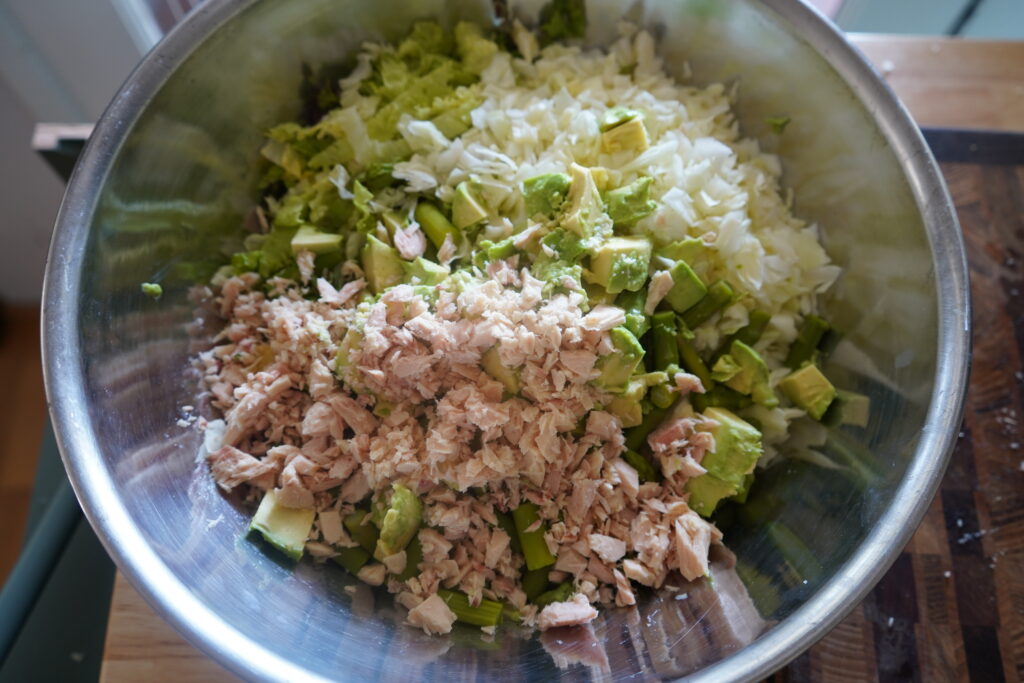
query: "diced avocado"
568, 245
809, 389
308, 238
683, 250
618, 366
283, 527
352, 340
401, 522
741, 495
393, 222
490, 361
434, 223
467, 209
687, 289
424, 271
584, 208
629, 203
596, 294
743, 370
706, 491
382, 265
621, 263
737, 448
616, 116
628, 136
848, 408
629, 412
544, 194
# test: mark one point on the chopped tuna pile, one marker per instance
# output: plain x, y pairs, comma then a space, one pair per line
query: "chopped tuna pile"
509, 327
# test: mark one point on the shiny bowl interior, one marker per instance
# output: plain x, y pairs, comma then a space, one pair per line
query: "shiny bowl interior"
170, 168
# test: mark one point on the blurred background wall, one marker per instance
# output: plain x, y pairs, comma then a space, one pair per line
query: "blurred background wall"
63, 60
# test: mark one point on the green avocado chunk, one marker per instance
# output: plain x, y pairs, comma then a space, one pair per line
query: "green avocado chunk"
424, 271
809, 389
743, 370
308, 238
618, 366
544, 194
616, 116
629, 411
283, 527
401, 522
490, 361
687, 289
467, 209
629, 203
382, 265
621, 263
683, 250
737, 448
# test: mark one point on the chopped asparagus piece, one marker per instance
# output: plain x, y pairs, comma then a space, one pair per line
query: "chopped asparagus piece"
806, 342
535, 582
413, 557
718, 297
637, 436
487, 613
691, 360
559, 593
644, 468
535, 550
434, 223
663, 329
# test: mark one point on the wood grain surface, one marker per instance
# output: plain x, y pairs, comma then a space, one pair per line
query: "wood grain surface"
952, 606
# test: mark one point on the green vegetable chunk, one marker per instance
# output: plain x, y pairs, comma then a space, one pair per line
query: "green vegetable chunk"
413, 558
628, 204
352, 559
807, 340
561, 20
424, 271
401, 522
559, 593
691, 360
633, 303
487, 613
618, 366
743, 370
535, 582
434, 223
382, 265
621, 263
616, 116
737, 448
362, 530
663, 329
809, 389
687, 289
308, 238
535, 550
467, 208
490, 361
283, 527
718, 297
778, 123
636, 437
152, 290
544, 194
628, 410
645, 469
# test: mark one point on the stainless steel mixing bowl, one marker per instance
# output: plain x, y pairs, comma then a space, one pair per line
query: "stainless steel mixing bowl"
169, 169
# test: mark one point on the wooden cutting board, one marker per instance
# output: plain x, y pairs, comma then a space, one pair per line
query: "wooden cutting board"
952, 605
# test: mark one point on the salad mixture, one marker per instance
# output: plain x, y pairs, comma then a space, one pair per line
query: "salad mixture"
513, 319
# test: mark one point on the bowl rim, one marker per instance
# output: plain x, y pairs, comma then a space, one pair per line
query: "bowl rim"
63, 370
